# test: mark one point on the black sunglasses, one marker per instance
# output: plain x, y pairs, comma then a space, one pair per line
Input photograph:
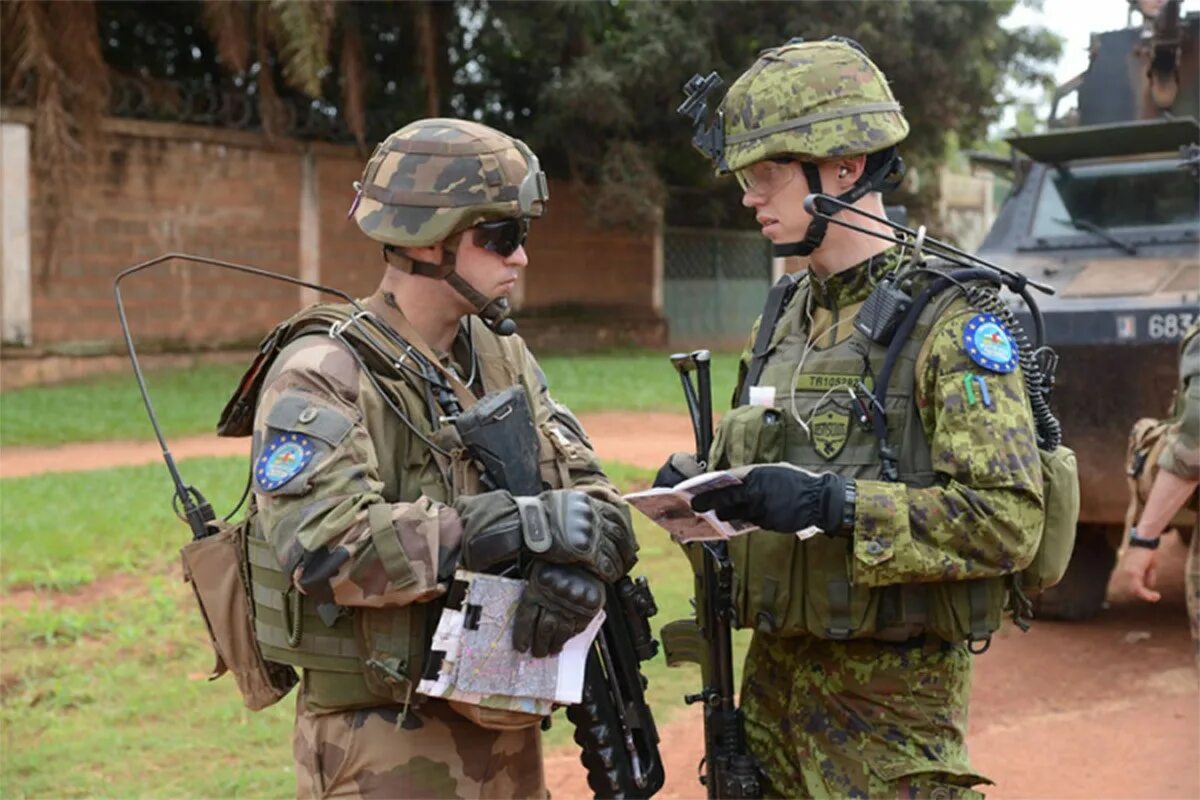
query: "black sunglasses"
502, 236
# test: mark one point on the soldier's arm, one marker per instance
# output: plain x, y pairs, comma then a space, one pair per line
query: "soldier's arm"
982, 516
329, 523
1181, 454
1179, 462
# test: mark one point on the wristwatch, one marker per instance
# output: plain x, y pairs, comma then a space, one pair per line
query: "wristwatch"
1137, 541
848, 504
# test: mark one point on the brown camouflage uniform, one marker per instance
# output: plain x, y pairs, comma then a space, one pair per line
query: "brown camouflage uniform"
1181, 457
317, 522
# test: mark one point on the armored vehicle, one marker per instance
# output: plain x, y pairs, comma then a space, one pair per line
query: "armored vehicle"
1104, 208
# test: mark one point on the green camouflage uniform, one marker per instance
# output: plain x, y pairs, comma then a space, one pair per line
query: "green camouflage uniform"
1181, 456
859, 716
863, 718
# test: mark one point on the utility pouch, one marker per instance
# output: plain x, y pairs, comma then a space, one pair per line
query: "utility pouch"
215, 566
763, 561
1060, 480
748, 435
966, 611
834, 607
496, 719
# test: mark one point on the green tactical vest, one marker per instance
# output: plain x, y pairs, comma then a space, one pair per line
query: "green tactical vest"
365, 657
789, 587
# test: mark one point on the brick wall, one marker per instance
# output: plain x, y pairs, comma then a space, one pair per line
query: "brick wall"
152, 188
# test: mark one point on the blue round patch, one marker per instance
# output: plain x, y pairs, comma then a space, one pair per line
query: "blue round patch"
282, 459
989, 345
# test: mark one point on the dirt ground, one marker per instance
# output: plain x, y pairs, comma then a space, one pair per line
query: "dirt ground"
1108, 708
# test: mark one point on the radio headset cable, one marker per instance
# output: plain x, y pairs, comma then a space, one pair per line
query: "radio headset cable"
188, 502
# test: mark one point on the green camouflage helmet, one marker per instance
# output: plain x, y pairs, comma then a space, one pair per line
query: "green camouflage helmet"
436, 177
811, 100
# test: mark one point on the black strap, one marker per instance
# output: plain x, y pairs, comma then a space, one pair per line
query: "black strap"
777, 300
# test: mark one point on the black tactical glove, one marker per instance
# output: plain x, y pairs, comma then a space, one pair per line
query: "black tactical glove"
491, 530
558, 602
679, 467
784, 498
566, 526
563, 526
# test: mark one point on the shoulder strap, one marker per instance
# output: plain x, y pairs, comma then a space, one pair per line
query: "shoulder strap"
237, 418
777, 300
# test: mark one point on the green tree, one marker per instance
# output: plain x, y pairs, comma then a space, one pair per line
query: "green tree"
592, 86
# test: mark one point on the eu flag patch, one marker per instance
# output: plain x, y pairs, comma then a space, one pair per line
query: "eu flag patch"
989, 345
284, 457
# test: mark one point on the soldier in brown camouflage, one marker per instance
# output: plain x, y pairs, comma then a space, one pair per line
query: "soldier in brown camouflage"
858, 676
1174, 486
365, 510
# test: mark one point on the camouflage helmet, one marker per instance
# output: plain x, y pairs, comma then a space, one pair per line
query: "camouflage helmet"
436, 177
811, 100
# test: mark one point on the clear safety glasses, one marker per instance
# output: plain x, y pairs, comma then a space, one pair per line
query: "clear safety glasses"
765, 178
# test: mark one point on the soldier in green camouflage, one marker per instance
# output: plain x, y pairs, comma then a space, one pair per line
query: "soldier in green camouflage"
363, 510
858, 676
1173, 488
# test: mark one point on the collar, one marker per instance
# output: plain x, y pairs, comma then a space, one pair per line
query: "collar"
855, 284
384, 306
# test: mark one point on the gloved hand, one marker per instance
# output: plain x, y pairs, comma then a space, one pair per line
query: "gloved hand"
567, 526
562, 526
557, 603
780, 497
491, 529
679, 467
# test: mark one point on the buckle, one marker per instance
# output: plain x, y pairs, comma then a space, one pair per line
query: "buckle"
338, 328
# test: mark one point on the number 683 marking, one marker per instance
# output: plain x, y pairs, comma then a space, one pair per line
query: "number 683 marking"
1170, 326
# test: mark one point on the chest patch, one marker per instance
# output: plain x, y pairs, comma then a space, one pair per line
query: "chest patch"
988, 344
829, 431
284, 457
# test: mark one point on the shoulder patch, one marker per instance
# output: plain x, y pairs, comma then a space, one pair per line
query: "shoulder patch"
988, 344
282, 459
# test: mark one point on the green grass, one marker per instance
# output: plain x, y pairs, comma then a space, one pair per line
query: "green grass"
634, 381
188, 401
62, 530
102, 690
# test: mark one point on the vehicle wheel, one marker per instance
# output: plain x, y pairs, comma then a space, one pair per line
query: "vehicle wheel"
1080, 594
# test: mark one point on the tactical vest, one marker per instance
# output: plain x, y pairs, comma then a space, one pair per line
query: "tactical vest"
369, 657
789, 587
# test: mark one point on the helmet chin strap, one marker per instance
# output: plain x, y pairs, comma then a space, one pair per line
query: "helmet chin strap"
494, 312
885, 178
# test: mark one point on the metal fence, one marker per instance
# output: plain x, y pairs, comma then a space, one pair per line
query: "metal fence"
715, 283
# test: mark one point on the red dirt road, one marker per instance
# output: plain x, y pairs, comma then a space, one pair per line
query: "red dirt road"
643, 439
1102, 709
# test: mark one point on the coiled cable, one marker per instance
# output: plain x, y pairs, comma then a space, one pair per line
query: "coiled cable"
1038, 380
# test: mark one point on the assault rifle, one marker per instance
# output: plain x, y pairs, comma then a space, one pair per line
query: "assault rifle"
727, 769
614, 726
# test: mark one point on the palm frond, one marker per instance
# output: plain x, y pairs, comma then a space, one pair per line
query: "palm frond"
302, 31
226, 22
354, 85
17, 54
270, 107
77, 52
